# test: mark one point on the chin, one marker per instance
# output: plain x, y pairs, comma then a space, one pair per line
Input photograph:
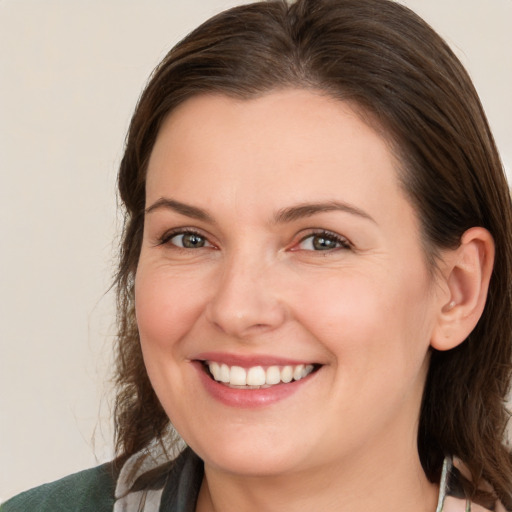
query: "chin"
251, 455
251, 463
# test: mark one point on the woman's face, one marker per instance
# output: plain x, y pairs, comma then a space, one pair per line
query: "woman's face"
278, 244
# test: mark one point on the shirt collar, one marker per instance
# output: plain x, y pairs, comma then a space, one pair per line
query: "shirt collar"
156, 475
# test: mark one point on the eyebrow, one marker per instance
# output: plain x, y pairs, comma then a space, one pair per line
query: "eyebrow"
309, 209
282, 216
182, 208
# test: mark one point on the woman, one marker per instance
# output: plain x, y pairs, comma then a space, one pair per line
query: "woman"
314, 282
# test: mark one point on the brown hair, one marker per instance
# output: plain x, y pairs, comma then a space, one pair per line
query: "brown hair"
380, 56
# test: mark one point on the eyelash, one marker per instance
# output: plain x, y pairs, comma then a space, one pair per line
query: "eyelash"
340, 241
169, 235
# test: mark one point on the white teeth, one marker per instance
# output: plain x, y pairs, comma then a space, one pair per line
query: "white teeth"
224, 373
297, 372
256, 375
273, 375
215, 369
237, 376
287, 374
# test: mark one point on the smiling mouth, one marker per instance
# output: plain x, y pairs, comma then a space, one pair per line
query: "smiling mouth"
257, 377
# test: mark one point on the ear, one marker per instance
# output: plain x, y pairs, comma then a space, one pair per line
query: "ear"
466, 274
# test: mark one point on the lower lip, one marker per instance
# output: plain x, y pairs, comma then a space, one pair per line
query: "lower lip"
249, 398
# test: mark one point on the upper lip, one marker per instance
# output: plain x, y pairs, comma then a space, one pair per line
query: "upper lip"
248, 361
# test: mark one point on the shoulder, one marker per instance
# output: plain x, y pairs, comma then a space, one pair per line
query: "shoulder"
87, 491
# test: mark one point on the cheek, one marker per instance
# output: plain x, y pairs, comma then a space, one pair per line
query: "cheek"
367, 317
343, 305
166, 306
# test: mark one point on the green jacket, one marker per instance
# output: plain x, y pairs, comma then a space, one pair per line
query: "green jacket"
87, 491
145, 483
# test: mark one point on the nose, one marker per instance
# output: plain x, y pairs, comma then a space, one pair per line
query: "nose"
246, 300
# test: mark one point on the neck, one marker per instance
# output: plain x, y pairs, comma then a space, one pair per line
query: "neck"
376, 484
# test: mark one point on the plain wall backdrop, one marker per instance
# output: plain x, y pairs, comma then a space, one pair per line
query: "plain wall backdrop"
70, 75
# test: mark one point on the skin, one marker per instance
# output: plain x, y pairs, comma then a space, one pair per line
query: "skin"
366, 310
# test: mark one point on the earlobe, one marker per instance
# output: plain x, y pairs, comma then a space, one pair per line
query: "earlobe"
467, 274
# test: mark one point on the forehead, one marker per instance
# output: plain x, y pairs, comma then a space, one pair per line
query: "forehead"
289, 145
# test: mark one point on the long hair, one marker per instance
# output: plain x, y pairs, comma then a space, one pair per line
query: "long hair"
380, 56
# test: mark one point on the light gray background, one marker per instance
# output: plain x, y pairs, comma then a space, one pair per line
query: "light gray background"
70, 74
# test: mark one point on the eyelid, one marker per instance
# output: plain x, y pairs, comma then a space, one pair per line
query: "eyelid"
168, 235
344, 242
